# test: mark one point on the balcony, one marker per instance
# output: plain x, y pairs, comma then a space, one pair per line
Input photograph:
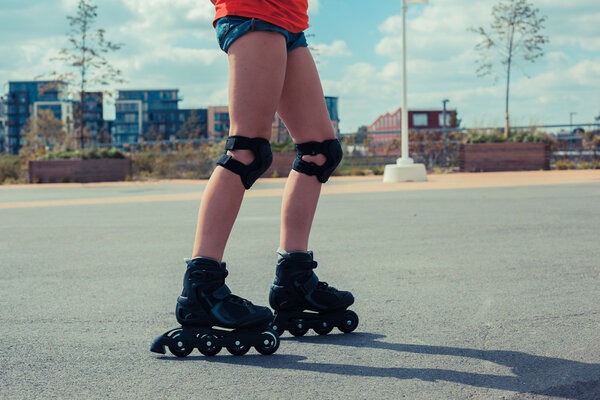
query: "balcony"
176, 99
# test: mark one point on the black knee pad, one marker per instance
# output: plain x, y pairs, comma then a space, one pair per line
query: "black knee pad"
263, 157
331, 149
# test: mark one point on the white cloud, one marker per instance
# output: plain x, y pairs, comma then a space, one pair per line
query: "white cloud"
172, 44
441, 64
338, 48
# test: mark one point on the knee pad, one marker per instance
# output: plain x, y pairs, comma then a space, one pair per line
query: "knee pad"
263, 157
331, 149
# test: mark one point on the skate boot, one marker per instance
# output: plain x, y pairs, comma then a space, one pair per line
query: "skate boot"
301, 302
206, 305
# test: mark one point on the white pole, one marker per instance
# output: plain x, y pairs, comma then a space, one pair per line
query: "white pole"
405, 169
405, 160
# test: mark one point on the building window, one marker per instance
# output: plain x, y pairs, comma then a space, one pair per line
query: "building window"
420, 119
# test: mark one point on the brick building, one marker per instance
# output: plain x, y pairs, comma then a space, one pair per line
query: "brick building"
387, 127
217, 121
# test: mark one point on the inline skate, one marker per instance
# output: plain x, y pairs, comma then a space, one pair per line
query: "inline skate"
301, 302
211, 317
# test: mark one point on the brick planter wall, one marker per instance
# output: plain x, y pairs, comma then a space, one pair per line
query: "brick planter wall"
490, 157
101, 170
282, 164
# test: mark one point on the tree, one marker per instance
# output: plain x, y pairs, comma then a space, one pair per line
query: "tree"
515, 34
44, 132
361, 134
192, 128
153, 134
87, 56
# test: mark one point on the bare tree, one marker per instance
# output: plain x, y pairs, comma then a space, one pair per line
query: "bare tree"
87, 56
192, 129
44, 132
515, 34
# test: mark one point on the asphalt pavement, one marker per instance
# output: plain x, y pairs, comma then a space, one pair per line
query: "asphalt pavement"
471, 293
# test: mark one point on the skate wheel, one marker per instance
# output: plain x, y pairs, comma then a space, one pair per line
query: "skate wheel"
269, 342
177, 346
350, 322
324, 328
278, 329
298, 328
238, 349
209, 345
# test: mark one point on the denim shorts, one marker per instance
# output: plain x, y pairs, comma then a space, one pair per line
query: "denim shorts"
232, 27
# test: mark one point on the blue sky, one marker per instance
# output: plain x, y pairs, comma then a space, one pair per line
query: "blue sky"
171, 44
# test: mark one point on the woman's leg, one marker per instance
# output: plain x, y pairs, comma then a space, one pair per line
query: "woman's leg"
303, 110
257, 67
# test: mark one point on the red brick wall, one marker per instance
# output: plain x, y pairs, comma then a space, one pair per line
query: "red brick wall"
102, 170
489, 157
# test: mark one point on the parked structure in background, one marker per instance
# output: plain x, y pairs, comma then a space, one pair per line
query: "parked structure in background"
152, 115
386, 128
279, 131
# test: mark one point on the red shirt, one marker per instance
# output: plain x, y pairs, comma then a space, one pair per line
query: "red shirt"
288, 14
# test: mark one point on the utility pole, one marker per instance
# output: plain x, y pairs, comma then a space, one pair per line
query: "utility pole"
571, 133
405, 169
444, 154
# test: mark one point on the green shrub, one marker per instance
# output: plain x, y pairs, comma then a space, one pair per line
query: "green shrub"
514, 137
144, 162
87, 154
11, 169
565, 164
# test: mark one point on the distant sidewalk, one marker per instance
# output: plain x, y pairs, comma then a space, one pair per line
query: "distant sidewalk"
342, 185
469, 180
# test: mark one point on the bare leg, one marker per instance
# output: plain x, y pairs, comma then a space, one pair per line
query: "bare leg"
302, 108
257, 63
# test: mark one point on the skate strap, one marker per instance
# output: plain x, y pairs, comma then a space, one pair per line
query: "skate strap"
295, 265
210, 275
307, 287
221, 292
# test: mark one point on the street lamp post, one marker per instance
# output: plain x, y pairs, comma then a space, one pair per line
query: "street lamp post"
571, 133
405, 169
444, 154
405, 160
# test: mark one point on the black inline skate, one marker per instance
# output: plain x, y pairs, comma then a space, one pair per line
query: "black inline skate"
206, 305
301, 302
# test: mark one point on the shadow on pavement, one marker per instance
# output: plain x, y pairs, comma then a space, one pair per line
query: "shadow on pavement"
571, 379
